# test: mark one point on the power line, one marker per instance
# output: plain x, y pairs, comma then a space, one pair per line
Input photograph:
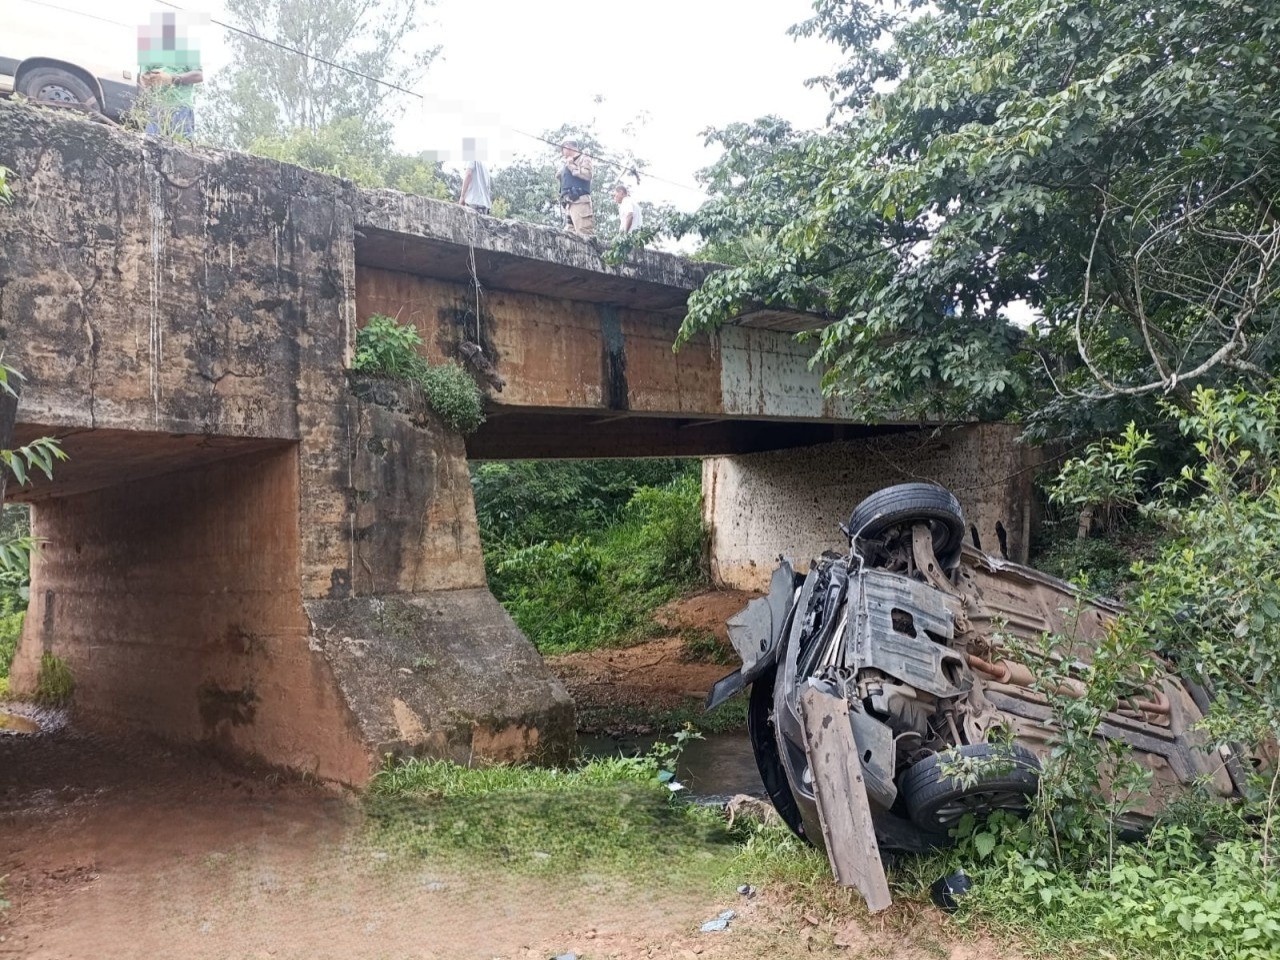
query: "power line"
626, 167
630, 168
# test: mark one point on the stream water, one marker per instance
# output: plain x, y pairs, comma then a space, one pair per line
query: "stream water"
714, 768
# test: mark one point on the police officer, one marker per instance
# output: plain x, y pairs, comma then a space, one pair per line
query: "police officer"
575, 188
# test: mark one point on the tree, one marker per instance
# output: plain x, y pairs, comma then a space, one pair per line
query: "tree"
1110, 168
271, 89
350, 148
528, 190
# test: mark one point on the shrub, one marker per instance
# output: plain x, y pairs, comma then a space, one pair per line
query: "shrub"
387, 348
453, 395
599, 589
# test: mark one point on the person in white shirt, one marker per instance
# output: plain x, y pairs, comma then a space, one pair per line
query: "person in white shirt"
629, 219
475, 188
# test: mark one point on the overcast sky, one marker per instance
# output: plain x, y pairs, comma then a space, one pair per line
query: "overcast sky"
678, 66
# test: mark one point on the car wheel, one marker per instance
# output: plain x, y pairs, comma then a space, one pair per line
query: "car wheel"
936, 802
902, 506
50, 84
764, 744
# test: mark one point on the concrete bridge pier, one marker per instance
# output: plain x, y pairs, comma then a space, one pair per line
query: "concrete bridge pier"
792, 502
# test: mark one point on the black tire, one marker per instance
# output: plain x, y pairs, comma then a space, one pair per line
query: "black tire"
764, 745
936, 803
905, 504
57, 85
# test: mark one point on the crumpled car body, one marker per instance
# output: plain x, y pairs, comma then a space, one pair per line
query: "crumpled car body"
919, 647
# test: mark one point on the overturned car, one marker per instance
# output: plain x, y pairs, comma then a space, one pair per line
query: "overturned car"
911, 634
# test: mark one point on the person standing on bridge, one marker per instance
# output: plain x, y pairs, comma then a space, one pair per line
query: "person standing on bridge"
575, 188
629, 218
168, 72
476, 193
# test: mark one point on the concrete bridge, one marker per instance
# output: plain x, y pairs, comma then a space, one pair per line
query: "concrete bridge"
250, 550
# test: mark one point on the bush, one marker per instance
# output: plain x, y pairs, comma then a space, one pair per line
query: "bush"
599, 589
453, 395
523, 502
1170, 896
10, 631
387, 348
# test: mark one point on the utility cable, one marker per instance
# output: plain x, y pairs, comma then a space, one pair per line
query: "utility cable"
628, 168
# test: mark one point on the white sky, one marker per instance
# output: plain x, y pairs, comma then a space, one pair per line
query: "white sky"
507, 65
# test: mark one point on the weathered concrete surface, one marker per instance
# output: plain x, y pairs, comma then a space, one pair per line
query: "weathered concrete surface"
184, 319
446, 673
560, 351
792, 502
176, 602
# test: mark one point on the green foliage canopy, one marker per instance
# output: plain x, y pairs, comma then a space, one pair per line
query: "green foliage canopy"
1110, 168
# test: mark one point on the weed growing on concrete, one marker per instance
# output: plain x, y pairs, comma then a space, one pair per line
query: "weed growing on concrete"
387, 348
54, 682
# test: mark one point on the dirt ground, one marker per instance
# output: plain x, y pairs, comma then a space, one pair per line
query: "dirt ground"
114, 848
655, 675
134, 850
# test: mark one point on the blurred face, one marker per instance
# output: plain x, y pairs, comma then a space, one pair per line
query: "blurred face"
567, 151
618, 195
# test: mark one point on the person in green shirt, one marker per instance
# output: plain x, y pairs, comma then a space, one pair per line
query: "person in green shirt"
168, 71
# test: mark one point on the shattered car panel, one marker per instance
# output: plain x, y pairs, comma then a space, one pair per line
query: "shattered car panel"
920, 652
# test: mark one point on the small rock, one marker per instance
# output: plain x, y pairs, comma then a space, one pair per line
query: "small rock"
567, 956
747, 890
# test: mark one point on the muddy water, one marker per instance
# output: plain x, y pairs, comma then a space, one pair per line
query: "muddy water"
714, 768
13, 723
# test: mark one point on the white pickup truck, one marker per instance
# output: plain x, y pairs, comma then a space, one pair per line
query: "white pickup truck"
55, 52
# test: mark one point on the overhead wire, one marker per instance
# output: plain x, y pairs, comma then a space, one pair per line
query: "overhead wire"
630, 168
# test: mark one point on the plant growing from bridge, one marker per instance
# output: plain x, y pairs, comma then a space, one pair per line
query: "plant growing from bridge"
387, 348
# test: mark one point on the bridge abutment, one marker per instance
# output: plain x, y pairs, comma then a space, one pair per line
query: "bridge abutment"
791, 502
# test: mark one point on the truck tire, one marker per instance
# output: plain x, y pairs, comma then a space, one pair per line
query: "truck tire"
935, 802
903, 505
53, 84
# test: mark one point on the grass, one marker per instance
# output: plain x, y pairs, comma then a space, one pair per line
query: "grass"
730, 717
54, 682
703, 646
609, 818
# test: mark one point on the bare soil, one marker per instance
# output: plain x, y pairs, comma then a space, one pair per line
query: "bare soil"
114, 848
133, 850
657, 675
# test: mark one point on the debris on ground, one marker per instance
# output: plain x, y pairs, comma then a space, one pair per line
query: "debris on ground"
754, 808
947, 891
719, 923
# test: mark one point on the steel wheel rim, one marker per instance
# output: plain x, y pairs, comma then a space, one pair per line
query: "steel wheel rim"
57, 93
